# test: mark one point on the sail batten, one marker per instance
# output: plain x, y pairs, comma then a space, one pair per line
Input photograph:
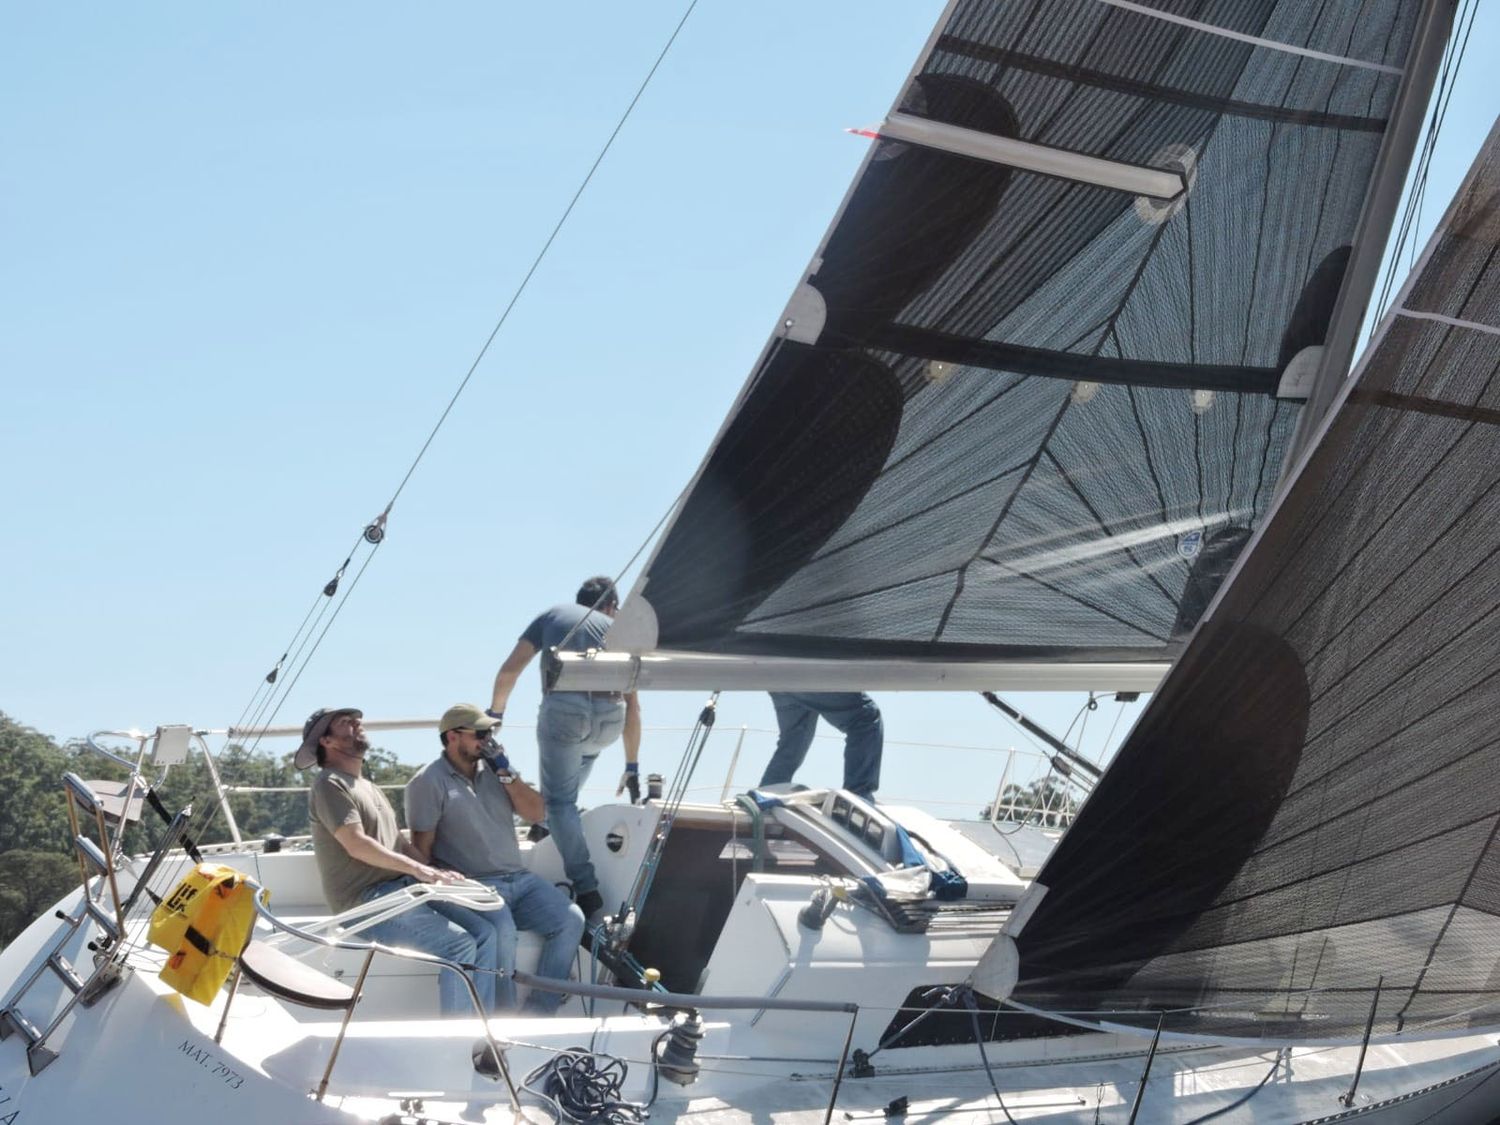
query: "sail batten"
1013, 359
1225, 106
1254, 40
1319, 774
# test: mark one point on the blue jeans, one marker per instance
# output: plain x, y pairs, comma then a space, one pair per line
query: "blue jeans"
443, 929
571, 728
532, 903
852, 712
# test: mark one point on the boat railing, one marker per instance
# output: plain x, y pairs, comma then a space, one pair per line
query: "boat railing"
1028, 791
381, 909
656, 1000
163, 748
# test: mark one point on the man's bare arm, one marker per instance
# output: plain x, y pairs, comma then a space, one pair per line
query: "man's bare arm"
631, 736
510, 672
369, 850
526, 801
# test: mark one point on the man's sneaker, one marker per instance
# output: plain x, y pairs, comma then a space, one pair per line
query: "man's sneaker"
592, 905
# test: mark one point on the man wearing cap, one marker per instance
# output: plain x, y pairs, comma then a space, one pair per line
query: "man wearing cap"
362, 855
461, 810
574, 726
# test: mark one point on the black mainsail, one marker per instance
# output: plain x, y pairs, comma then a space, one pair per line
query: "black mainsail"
1308, 814
1035, 392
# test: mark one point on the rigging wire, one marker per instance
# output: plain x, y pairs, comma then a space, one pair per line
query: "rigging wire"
302, 667
1110, 737
374, 533
547, 245
170, 873
1457, 47
672, 802
630, 562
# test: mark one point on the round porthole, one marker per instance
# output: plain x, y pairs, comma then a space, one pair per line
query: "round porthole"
615, 839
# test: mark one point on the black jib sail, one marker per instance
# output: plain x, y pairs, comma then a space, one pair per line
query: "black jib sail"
1308, 814
1036, 390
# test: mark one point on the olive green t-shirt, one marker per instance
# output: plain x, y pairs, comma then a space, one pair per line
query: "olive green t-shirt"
337, 799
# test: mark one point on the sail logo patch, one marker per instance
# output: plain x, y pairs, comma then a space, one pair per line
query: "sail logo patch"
1189, 544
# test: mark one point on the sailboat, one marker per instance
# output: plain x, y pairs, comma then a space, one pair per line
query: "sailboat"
1060, 402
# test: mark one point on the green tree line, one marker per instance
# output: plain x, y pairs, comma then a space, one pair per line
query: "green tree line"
37, 864
1048, 801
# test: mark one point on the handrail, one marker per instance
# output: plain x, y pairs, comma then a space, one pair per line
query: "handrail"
134, 735
605, 992
137, 772
370, 948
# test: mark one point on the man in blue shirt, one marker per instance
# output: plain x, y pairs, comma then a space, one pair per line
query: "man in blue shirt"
574, 726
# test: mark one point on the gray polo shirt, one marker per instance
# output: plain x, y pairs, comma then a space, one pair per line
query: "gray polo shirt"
474, 820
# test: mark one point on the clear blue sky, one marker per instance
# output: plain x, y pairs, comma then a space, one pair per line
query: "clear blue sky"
248, 252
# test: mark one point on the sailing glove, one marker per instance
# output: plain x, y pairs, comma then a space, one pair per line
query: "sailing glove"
631, 779
500, 764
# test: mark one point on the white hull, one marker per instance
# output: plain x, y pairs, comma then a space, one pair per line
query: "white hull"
145, 1053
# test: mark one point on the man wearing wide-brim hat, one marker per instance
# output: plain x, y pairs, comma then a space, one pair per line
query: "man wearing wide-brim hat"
362, 855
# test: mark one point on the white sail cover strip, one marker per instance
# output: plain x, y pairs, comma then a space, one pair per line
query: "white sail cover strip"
1228, 33
1305, 823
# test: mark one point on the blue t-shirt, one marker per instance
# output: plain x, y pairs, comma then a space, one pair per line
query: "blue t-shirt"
550, 628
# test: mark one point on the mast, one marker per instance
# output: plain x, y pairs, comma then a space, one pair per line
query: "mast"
1370, 242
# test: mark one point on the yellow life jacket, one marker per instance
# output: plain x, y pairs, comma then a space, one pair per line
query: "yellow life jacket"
204, 924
